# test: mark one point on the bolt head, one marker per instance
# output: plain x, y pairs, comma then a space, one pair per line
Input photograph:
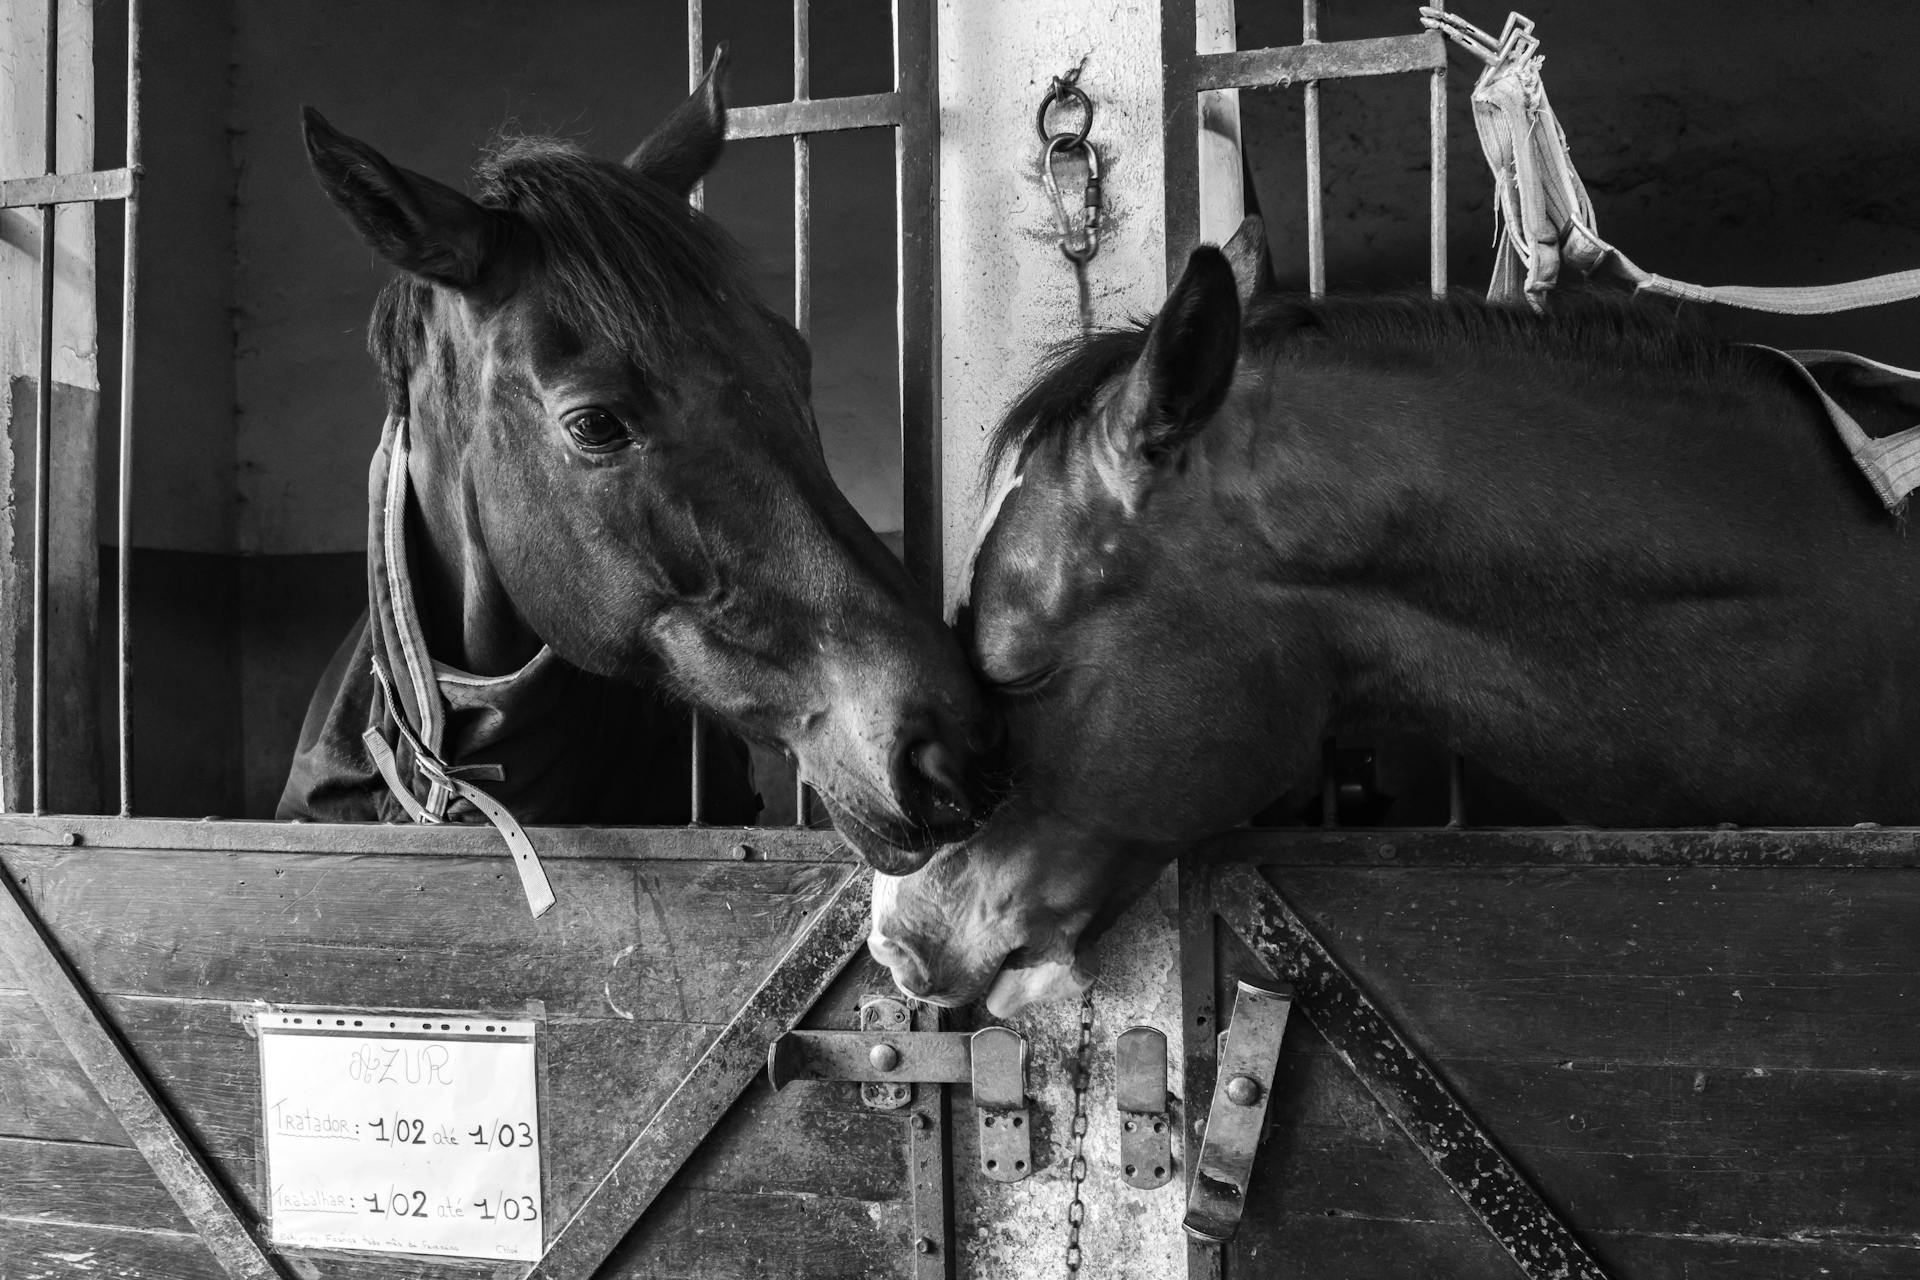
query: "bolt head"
884, 1057
1243, 1091
923, 1245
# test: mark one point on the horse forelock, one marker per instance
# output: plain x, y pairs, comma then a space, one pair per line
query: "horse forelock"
619, 259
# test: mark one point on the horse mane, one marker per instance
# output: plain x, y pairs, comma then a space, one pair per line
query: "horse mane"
1584, 332
621, 258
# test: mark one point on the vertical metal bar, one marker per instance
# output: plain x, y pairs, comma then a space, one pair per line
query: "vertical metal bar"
129, 282
1329, 785
1179, 39
802, 252
929, 1167
696, 63
1456, 789
1199, 1032
1316, 218
697, 197
1437, 194
43, 428
916, 193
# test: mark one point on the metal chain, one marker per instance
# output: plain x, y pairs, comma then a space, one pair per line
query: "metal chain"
1079, 235
1077, 1168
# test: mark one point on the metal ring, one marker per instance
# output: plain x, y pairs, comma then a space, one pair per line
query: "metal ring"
1065, 94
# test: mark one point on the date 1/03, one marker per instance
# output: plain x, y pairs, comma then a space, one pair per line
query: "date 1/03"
403, 1131
415, 1204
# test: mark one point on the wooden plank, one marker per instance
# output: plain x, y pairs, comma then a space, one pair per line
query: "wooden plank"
43, 1091
84, 1183
66, 1004
51, 1250
1427, 848
664, 941
695, 1235
837, 931
1705, 968
1402, 1083
719, 844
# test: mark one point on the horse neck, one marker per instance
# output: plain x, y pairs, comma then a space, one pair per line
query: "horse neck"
465, 612
1461, 541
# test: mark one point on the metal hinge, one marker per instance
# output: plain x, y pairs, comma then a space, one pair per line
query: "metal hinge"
887, 1060
1249, 1053
1140, 1095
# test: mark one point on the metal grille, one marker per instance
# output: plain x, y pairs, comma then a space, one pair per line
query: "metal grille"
46, 192
1191, 72
911, 110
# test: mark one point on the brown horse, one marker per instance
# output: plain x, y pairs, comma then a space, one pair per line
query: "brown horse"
602, 493
1629, 568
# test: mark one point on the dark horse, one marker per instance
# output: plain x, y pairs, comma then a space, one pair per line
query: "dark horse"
600, 494
1630, 569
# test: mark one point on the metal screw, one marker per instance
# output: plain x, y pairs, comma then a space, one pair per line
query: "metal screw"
1243, 1091
923, 1245
884, 1057
70, 838
918, 1121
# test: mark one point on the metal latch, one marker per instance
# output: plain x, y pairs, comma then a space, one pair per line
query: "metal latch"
887, 1060
1249, 1052
1140, 1094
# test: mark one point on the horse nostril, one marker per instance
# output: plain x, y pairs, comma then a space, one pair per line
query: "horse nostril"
933, 775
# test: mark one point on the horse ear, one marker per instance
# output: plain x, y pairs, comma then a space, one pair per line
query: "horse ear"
1247, 254
679, 153
415, 223
1184, 372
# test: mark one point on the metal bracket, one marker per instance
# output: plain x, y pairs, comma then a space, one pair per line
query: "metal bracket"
1249, 1053
1140, 1093
1000, 1095
885, 1056
888, 1059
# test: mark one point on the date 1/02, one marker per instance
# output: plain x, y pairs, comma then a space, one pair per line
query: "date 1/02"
415, 1204
404, 1131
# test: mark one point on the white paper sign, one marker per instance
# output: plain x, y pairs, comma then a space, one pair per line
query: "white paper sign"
402, 1133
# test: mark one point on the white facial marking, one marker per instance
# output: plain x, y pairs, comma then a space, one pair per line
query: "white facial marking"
988, 517
1015, 989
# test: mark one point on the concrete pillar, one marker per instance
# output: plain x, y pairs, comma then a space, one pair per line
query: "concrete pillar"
1007, 296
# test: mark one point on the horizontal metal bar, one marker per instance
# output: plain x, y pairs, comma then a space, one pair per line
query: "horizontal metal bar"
1341, 60
712, 844
918, 1057
66, 188
1424, 848
814, 115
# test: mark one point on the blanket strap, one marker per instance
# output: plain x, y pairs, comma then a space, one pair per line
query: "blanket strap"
454, 779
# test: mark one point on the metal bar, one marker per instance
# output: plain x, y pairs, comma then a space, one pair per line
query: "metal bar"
1199, 1033
928, 1167
450, 840
802, 251
1456, 789
823, 115
129, 292
65, 188
1400, 1080
43, 425
1294, 64
705, 1093
1415, 850
696, 64
1437, 190
1180, 139
916, 189
1316, 213
696, 802
83, 1028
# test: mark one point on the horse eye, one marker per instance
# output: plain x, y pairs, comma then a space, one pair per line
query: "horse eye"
1022, 685
597, 431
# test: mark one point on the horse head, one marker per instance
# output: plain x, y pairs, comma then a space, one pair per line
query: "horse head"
613, 456
1102, 561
